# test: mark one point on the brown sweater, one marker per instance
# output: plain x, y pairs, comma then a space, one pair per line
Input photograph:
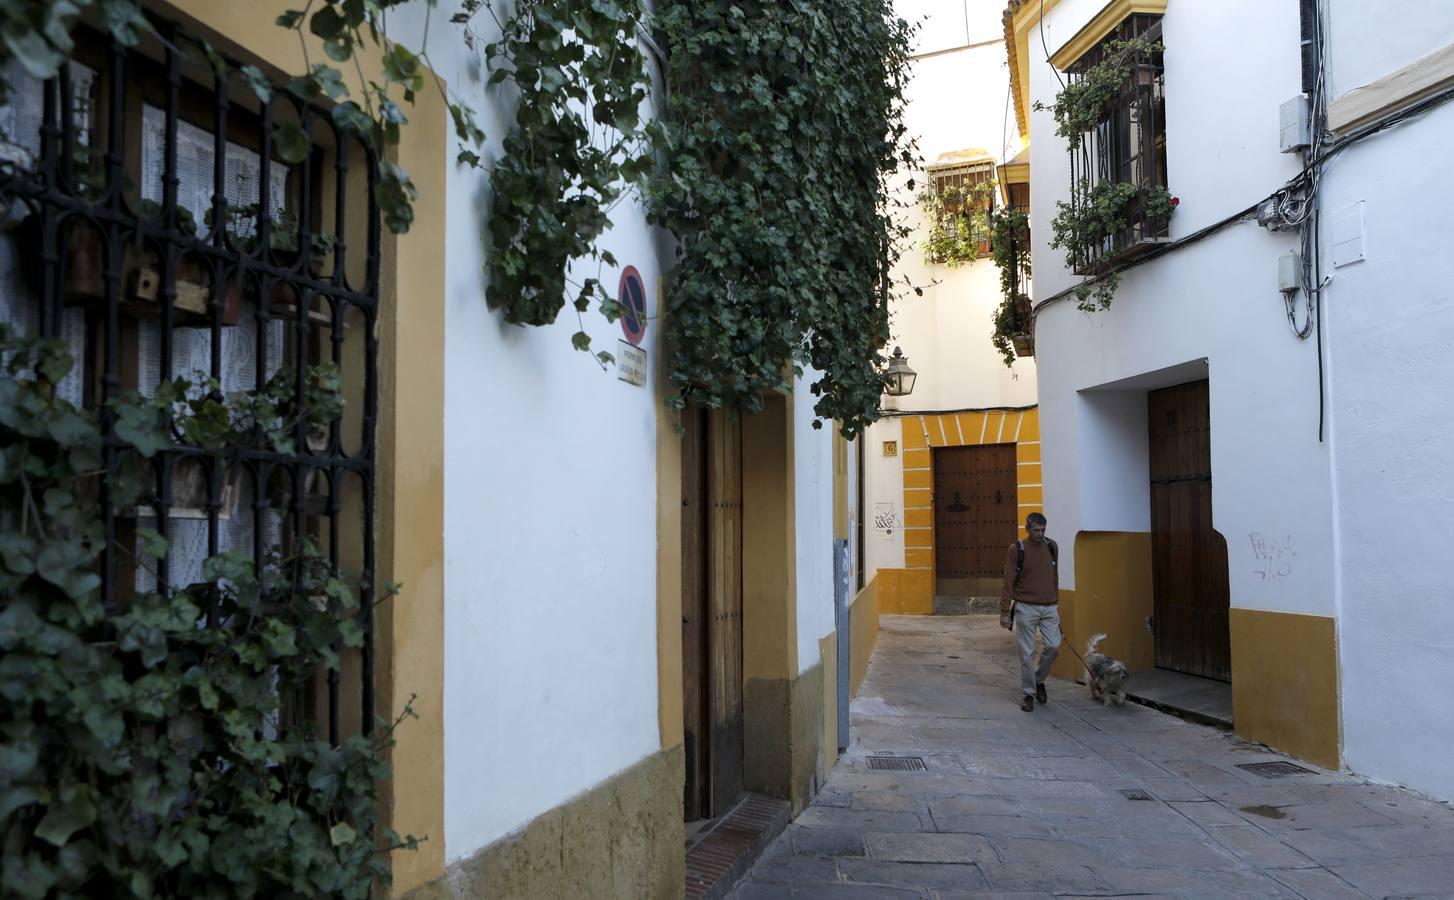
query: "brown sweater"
1038, 583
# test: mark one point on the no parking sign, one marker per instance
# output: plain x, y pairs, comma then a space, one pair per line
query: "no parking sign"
633, 303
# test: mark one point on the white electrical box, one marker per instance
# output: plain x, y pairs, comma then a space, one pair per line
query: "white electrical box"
1296, 122
1289, 271
1345, 234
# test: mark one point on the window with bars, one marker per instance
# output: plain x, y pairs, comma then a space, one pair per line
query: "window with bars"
144, 221
1118, 166
959, 202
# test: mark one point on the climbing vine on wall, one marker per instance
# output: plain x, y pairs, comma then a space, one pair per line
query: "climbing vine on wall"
577, 143
784, 122
141, 749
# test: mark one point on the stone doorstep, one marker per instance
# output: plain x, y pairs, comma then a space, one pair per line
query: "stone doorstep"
721, 853
1199, 700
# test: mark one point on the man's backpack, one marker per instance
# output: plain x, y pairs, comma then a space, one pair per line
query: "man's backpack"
1020, 556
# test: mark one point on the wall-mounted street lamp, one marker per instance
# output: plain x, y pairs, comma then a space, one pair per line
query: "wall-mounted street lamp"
899, 377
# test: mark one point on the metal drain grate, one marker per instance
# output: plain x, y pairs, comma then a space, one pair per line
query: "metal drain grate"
1275, 769
1135, 794
897, 763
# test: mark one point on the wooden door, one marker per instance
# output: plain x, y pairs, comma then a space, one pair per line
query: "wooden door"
724, 600
695, 513
975, 510
712, 611
1188, 556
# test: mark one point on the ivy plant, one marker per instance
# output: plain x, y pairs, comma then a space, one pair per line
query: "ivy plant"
784, 122
578, 143
141, 750
1009, 231
1091, 225
1086, 101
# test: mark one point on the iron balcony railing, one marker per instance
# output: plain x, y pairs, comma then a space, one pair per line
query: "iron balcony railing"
1127, 146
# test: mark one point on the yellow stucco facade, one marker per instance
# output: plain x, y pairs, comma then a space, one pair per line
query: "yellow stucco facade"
910, 590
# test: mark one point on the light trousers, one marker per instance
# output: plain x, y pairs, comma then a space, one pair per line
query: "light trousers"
1028, 619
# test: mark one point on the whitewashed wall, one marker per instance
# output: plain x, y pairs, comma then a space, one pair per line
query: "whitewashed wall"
550, 527
1209, 310
813, 500
883, 492
1390, 337
956, 101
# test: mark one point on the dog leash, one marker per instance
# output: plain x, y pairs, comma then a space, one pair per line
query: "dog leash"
1071, 645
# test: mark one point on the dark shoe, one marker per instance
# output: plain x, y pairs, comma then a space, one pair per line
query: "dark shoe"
1040, 693
1028, 703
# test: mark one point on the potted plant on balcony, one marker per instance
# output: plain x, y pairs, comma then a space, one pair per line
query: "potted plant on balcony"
1014, 318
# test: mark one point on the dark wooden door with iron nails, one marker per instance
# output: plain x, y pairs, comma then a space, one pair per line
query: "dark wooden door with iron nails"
975, 509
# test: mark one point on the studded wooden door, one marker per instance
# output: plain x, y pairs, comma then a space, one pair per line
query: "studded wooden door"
724, 601
712, 611
975, 509
1188, 557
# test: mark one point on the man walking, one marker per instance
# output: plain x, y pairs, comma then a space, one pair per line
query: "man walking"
1029, 600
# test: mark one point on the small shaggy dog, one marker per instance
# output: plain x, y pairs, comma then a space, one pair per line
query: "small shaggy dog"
1108, 676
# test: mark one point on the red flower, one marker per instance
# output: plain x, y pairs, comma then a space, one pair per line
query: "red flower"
1175, 201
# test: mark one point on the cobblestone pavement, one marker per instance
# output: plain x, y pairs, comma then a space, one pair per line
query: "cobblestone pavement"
1017, 804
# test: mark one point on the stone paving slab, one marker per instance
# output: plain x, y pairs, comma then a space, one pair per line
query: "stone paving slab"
1032, 805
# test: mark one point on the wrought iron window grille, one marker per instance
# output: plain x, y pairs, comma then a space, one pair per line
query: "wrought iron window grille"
145, 219
963, 201
1127, 146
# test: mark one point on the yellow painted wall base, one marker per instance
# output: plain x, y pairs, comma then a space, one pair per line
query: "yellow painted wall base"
1285, 683
1066, 665
863, 626
905, 592
1112, 596
828, 652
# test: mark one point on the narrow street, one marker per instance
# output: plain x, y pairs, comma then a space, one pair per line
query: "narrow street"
1078, 800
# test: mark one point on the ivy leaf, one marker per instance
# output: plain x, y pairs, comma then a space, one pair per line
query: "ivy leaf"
581, 341
254, 78
280, 638
63, 819
341, 834
606, 359
351, 632
327, 23
18, 552
17, 762
141, 427
125, 22
402, 66
330, 82
468, 158
153, 544
16, 796
32, 51
67, 565
291, 142
290, 19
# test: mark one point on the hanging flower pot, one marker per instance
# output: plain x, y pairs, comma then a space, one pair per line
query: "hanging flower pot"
1024, 345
